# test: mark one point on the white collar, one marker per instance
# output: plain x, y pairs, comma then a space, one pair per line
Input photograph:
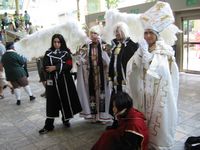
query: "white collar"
10, 50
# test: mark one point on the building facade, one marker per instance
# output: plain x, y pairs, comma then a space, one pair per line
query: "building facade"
187, 18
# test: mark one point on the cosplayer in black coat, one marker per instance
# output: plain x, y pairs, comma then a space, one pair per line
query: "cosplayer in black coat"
61, 92
128, 48
123, 49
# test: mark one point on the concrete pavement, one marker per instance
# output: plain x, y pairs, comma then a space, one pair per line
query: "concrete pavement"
19, 125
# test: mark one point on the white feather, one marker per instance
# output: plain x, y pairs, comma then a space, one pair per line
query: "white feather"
136, 28
113, 16
36, 44
169, 34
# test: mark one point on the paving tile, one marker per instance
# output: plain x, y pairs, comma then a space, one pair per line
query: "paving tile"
57, 147
28, 147
186, 129
178, 146
74, 143
19, 125
47, 142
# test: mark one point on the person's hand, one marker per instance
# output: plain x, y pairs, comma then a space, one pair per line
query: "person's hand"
143, 45
146, 56
50, 68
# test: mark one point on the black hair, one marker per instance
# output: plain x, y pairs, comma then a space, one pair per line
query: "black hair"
122, 100
62, 42
9, 45
16, 39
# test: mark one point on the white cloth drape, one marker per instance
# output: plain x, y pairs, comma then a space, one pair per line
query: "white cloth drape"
83, 87
153, 85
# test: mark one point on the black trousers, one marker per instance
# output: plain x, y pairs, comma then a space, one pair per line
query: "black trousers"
49, 123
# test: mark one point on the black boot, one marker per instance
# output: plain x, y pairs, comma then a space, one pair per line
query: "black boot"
48, 126
66, 122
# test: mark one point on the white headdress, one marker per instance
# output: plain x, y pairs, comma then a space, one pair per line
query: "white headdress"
158, 18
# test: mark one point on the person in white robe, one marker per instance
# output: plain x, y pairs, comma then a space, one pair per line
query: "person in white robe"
153, 78
92, 84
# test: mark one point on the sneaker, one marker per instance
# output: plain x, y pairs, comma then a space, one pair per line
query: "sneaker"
18, 102
44, 131
32, 98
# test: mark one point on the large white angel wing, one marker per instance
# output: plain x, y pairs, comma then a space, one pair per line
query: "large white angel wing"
37, 43
135, 27
132, 20
169, 34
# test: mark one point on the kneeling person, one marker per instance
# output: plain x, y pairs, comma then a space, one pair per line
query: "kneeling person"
131, 133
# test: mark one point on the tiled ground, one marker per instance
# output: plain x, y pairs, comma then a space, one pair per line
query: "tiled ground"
19, 125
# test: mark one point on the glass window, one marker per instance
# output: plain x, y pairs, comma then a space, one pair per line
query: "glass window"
126, 3
191, 46
93, 6
9, 5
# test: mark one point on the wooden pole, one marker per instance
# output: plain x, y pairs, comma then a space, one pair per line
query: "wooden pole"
78, 10
17, 6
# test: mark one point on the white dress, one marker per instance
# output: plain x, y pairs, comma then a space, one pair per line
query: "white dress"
83, 88
153, 83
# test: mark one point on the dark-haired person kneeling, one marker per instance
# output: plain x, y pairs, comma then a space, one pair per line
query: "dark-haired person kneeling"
132, 131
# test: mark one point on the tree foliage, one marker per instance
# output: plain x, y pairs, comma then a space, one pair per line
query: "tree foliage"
112, 3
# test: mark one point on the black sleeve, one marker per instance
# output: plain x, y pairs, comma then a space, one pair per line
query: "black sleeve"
67, 63
130, 141
45, 61
114, 125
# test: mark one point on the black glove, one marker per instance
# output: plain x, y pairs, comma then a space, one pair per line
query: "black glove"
113, 126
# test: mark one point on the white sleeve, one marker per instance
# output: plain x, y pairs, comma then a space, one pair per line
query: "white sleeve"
146, 56
105, 57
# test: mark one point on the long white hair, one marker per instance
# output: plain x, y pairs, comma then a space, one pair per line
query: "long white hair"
121, 26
